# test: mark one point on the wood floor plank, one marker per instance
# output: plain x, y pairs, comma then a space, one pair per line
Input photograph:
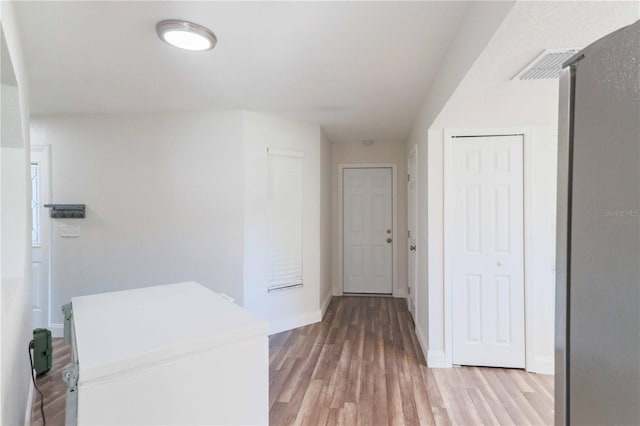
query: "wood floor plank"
435, 398
406, 391
276, 381
366, 399
467, 405
522, 402
484, 390
333, 418
542, 407
362, 365
348, 415
450, 390
306, 411
421, 398
504, 397
341, 372
485, 410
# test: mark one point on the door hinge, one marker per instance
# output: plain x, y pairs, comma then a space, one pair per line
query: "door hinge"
408, 290
408, 178
70, 376
408, 234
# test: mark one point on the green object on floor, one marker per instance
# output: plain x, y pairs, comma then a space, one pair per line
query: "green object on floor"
42, 350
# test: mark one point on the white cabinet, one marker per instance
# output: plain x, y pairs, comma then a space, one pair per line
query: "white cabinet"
171, 354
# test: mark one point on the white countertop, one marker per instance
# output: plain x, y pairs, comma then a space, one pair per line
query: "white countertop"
121, 331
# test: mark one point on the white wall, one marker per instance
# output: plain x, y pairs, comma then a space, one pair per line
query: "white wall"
356, 152
488, 93
14, 198
15, 228
298, 306
164, 201
434, 217
480, 22
540, 247
326, 273
181, 196
423, 258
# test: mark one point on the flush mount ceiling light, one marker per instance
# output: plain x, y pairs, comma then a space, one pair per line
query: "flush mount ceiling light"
186, 35
367, 142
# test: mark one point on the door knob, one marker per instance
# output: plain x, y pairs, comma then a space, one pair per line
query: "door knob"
389, 240
412, 247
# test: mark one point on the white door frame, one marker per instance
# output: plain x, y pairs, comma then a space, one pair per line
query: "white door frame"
339, 291
414, 152
46, 230
449, 135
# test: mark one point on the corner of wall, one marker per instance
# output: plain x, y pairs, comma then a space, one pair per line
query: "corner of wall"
326, 203
325, 305
16, 312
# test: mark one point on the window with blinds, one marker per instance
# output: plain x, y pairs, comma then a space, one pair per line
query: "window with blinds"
285, 218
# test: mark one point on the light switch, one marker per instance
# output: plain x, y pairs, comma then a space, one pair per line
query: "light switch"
68, 231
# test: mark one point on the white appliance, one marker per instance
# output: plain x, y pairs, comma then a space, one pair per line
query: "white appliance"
598, 235
170, 354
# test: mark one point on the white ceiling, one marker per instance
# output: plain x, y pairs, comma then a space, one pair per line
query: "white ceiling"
361, 70
488, 97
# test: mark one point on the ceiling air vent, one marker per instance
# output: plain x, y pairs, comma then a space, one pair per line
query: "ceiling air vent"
546, 65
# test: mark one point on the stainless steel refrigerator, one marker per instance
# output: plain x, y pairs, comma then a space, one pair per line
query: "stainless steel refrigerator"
598, 237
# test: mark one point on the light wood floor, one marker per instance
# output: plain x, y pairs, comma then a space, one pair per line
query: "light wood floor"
362, 365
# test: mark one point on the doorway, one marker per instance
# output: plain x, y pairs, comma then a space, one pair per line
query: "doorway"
40, 236
367, 230
485, 250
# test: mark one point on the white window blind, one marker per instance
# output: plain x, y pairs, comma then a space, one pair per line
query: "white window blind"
285, 218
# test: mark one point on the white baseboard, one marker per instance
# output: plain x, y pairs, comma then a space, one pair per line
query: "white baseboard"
543, 365
289, 323
412, 309
325, 305
422, 340
437, 359
27, 415
400, 292
57, 330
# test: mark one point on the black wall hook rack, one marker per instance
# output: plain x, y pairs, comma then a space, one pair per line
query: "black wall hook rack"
66, 211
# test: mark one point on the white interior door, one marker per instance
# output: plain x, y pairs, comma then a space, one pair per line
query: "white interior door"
367, 230
412, 205
486, 240
40, 236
